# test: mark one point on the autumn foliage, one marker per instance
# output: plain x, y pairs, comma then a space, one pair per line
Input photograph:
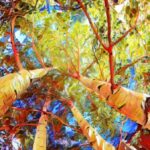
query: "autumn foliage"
74, 74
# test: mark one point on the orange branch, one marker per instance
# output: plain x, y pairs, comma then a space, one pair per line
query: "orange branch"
38, 55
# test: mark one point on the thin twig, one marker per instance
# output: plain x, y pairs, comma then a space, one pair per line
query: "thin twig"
64, 49
45, 112
126, 33
89, 66
92, 102
122, 69
38, 56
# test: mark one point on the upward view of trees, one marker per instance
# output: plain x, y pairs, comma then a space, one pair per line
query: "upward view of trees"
74, 74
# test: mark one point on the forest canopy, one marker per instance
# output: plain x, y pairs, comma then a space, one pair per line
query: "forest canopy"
74, 74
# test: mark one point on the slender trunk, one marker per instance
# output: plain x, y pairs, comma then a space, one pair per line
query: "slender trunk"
97, 142
41, 132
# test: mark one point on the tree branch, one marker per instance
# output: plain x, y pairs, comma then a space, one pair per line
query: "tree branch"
92, 25
16, 54
112, 72
108, 20
38, 56
89, 66
123, 68
126, 33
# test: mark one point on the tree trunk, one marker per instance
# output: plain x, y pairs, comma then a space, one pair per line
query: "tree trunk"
14, 84
132, 104
97, 142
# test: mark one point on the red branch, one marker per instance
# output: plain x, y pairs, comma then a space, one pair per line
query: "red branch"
111, 66
108, 20
127, 32
92, 25
123, 36
16, 54
26, 124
